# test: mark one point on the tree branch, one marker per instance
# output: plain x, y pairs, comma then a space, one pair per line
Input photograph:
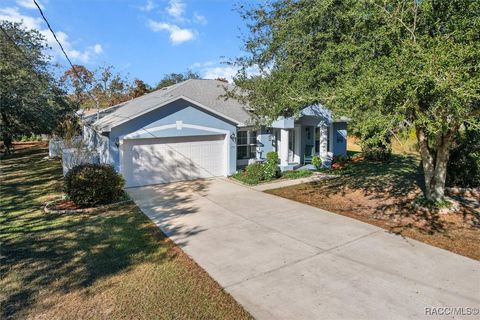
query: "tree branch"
412, 31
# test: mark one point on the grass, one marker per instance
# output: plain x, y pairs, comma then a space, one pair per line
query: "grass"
252, 180
382, 194
113, 264
296, 174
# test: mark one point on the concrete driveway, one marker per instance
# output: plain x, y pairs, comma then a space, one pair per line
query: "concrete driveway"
285, 260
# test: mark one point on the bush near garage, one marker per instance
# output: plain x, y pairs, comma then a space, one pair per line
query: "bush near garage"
89, 185
254, 173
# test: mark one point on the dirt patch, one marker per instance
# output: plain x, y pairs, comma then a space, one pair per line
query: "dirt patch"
64, 205
384, 198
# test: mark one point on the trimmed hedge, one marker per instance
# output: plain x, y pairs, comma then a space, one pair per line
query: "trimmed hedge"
89, 185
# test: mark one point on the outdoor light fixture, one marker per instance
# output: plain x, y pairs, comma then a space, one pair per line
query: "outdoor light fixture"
233, 137
117, 142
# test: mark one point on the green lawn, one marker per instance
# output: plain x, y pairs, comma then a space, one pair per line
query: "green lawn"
111, 264
292, 174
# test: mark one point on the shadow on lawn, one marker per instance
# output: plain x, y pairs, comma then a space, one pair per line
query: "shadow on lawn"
395, 178
59, 252
392, 184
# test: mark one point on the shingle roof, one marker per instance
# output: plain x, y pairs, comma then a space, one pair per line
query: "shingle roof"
209, 93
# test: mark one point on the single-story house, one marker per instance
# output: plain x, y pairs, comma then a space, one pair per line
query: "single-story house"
190, 130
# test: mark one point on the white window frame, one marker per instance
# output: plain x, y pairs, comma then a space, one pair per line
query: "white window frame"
251, 133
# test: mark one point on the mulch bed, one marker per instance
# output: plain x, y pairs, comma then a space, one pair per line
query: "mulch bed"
64, 205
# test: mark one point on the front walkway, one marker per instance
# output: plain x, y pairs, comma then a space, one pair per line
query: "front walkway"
285, 260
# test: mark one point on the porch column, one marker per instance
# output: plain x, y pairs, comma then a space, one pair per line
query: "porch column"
283, 147
323, 152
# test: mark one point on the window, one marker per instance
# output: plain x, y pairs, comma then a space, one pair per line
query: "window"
246, 144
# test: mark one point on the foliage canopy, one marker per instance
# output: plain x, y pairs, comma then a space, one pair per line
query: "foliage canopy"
31, 100
393, 63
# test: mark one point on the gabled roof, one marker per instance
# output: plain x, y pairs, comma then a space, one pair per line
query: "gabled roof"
207, 94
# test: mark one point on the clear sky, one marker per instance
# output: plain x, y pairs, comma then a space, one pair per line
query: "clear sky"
141, 38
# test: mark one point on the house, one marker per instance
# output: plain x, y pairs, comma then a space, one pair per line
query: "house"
190, 130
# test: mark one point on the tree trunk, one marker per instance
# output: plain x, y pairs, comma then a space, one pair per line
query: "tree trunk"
434, 168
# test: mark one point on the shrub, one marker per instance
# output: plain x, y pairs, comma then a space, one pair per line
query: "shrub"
255, 172
317, 162
432, 204
341, 160
89, 185
271, 169
463, 168
376, 150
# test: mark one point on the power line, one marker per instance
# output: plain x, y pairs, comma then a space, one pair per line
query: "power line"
81, 80
29, 63
65, 53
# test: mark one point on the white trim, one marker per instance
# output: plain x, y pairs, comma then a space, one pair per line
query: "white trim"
198, 104
135, 134
298, 141
284, 149
330, 137
120, 155
131, 136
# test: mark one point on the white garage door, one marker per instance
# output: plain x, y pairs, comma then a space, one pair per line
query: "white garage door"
162, 160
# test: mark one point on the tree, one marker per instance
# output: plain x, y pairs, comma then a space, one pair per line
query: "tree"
79, 87
138, 89
399, 61
173, 78
110, 89
31, 101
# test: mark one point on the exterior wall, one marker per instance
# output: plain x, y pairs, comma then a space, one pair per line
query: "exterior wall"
339, 137
265, 140
89, 137
96, 142
179, 110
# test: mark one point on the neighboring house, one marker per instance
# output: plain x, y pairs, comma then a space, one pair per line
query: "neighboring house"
190, 130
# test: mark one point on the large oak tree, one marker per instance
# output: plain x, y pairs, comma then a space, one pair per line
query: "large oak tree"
408, 62
31, 101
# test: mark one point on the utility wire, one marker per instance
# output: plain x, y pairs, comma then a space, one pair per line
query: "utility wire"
65, 54
29, 62
83, 83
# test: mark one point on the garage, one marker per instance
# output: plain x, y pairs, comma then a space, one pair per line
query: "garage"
163, 160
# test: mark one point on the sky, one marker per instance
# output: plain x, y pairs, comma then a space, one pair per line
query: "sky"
143, 39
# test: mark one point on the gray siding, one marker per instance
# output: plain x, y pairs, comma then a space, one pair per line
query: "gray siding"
179, 110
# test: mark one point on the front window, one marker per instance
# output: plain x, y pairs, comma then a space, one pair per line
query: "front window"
246, 144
